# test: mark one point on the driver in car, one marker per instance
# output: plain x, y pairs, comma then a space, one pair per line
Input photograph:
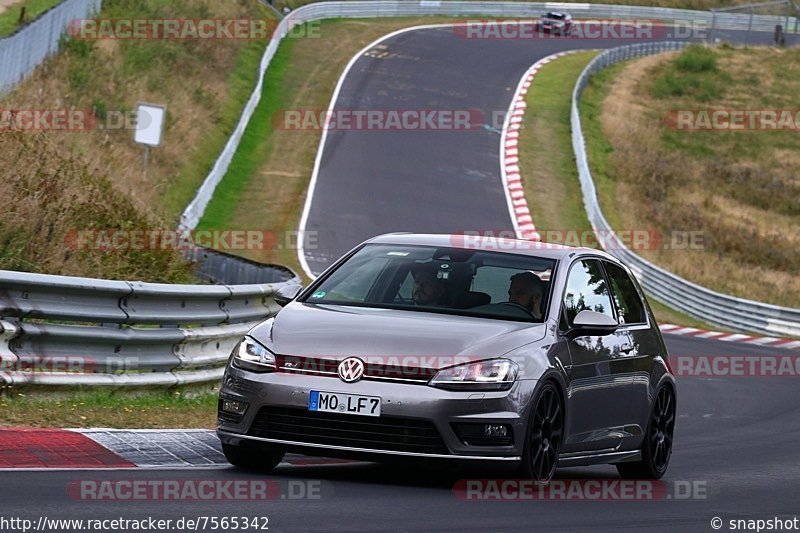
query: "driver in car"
527, 290
428, 288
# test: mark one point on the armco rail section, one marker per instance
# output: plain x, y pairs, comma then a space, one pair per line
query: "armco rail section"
676, 292
68, 331
25, 49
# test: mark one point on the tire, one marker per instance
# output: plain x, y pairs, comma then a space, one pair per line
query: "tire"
255, 459
544, 435
657, 445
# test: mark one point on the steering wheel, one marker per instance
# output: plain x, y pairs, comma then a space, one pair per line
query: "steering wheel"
518, 306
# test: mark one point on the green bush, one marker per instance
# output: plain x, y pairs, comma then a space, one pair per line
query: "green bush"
692, 74
697, 59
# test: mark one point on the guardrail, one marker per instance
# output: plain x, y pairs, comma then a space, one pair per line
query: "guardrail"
61, 330
379, 8
24, 50
674, 291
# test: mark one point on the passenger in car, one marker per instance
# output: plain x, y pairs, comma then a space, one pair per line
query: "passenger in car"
527, 290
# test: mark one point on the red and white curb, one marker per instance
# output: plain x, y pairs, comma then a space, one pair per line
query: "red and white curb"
772, 342
509, 154
120, 449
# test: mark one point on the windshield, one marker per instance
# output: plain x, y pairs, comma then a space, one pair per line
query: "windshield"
443, 280
557, 16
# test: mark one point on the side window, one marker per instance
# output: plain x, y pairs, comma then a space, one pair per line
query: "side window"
629, 306
586, 290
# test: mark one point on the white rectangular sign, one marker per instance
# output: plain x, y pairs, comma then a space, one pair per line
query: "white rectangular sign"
149, 123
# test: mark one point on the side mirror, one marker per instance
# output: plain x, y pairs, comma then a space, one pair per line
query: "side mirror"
287, 293
592, 323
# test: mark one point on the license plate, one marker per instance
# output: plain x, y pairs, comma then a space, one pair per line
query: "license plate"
337, 402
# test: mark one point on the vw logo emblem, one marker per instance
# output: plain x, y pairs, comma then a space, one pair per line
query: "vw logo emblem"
351, 369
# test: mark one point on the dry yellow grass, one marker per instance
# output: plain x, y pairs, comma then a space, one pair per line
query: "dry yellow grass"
93, 178
739, 189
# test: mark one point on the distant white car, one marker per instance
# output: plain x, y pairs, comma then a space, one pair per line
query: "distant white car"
556, 22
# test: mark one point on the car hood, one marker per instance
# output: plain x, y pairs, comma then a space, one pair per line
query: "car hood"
335, 331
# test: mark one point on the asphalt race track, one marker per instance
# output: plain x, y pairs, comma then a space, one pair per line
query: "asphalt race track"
371, 182
736, 442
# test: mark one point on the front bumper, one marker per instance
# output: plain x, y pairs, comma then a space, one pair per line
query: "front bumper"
439, 407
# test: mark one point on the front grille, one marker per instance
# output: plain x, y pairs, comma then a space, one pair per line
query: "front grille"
352, 431
393, 369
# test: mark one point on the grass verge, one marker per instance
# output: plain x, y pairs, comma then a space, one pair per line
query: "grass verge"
84, 409
203, 83
735, 190
547, 162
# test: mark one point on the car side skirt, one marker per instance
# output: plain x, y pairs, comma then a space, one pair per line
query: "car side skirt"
596, 458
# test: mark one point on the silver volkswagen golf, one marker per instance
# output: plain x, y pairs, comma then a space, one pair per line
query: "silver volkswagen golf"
457, 348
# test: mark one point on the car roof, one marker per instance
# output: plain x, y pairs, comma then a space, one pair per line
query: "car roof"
489, 244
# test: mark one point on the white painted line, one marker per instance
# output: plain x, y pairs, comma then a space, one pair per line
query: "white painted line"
301, 256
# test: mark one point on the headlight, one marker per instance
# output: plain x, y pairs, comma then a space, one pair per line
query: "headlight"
492, 374
250, 355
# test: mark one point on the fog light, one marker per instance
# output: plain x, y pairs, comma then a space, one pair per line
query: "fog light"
232, 406
495, 430
476, 434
